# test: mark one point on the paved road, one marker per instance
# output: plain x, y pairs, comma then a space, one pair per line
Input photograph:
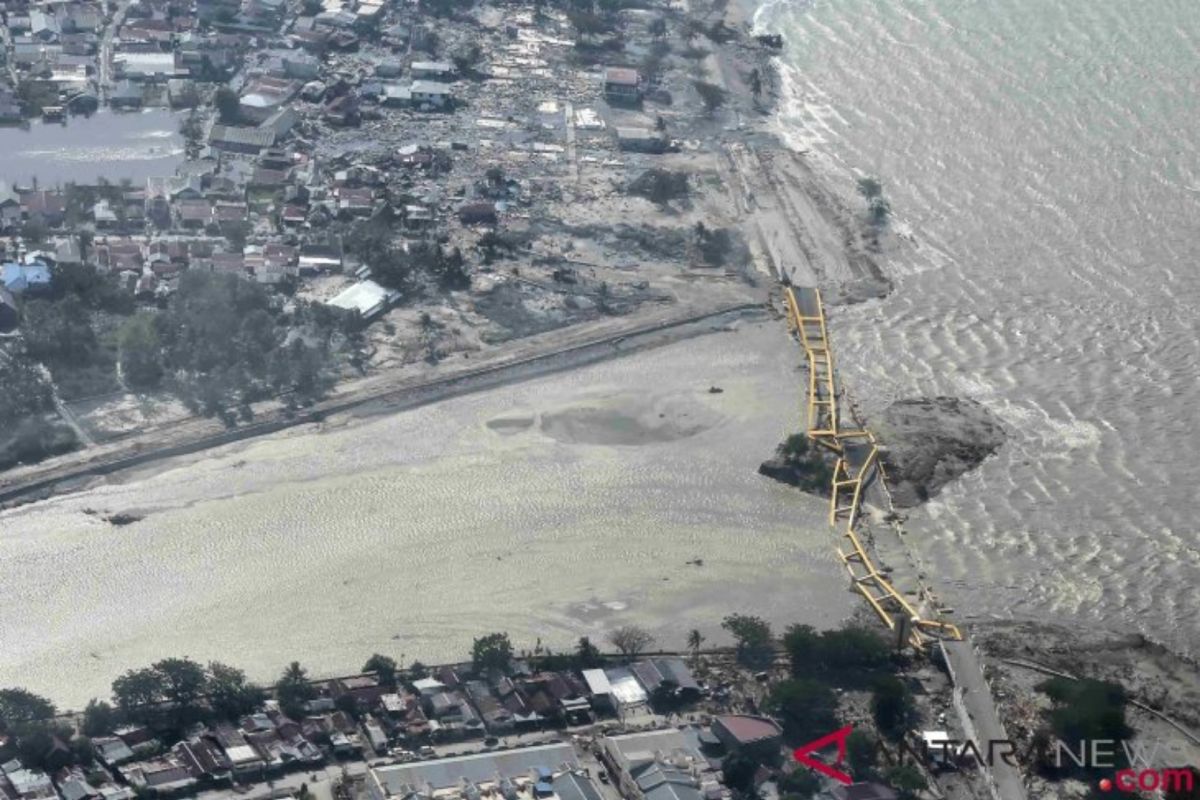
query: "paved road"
104, 56
1005, 781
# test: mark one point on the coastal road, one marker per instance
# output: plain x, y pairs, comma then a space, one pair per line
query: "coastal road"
1004, 781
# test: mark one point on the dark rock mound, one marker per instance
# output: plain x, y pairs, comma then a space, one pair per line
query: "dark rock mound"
797, 463
929, 442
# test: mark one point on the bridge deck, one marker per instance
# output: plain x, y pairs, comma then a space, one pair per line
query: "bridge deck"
854, 472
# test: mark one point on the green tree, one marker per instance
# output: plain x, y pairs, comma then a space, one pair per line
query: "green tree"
739, 769
25, 392
587, 655
860, 752
138, 692
20, 706
630, 640
492, 652
694, 641
891, 705
803, 646
384, 667
140, 352
184, 682
100, 291
82, 751
59, 332
799, 783
907, 780
755, 644
847, 657
347, 704
854, 649
230, 695
38, 746
192, 130
1086, 710
807, 708
227, 104
294, 691
711, 95
99, 718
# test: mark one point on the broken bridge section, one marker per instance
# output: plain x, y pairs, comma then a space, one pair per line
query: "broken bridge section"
857, 468
831, 425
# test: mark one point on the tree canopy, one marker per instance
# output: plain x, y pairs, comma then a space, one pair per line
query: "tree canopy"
847, 657
807, 708
755, 643
383, 666
293, 690
630, 640
20, 706
492, 652
587, 655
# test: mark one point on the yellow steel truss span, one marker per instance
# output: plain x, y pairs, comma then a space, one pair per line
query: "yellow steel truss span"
857, 464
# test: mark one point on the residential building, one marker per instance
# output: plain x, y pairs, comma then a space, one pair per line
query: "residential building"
240, 140
10, 206
641, 140
672, 672
626, 692
477, 213
748, 734
21, 278
662, 765
164, 775
26, 784
432, 70
430, 93
622, 85
514, 774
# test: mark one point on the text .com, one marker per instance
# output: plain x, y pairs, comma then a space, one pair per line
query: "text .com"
1150, 780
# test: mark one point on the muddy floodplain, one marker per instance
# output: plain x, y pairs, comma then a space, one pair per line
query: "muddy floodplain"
559, 507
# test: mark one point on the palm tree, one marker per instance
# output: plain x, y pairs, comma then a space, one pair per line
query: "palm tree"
694, 640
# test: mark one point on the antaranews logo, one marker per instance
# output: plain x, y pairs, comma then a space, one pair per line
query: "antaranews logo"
838, 737
1098, 754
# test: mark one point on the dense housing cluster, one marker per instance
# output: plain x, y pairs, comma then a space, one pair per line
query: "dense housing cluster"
463, 174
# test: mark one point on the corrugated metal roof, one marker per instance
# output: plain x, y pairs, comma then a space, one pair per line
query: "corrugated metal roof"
477, 768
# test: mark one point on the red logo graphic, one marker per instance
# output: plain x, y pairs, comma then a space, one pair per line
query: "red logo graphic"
838, 736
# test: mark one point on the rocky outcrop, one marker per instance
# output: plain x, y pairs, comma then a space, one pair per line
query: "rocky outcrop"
928, 442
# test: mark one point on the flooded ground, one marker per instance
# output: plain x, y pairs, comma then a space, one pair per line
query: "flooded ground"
110, 145
1044, 194
550, 509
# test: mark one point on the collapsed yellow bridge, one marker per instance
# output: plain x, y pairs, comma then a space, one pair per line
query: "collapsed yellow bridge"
857, 463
